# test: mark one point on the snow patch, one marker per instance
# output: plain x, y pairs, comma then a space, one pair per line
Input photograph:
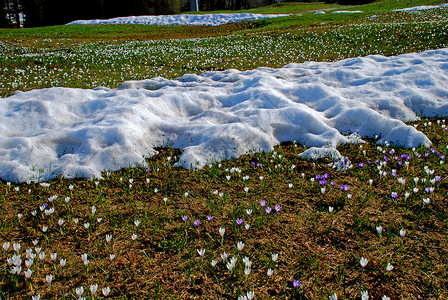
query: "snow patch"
217, 115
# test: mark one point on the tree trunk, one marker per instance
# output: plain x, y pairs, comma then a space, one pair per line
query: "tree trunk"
17, 12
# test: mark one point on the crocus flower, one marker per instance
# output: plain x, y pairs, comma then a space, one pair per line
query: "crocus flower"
79, 291
6, 246
402, 232
93, 289
106, 291
28, 273
389, 267
262, 203
84, 259
222, 230
250, 295
209, 218
274, 257
63, 262
379, 229
270, 272
296, 284
53, 256
363, 262
268, 210
49, 279
196, 223
184, 218
224, 256
365, 295
201, 252
277, 208
240, 246
394, 195
239, 221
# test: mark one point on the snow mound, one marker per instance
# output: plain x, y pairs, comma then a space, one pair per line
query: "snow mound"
187, 19
217, 115
422, 7
347, 12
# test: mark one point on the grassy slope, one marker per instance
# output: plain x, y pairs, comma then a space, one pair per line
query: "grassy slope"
319, 248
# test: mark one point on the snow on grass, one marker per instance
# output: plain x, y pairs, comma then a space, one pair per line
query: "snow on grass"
216, 115
422, 7
203, 19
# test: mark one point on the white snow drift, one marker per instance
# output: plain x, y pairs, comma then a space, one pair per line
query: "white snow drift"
203, 19
422, 7
79, 132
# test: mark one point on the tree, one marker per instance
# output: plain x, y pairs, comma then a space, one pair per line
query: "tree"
4, 22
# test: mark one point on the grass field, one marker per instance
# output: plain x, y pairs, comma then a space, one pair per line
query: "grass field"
141, 233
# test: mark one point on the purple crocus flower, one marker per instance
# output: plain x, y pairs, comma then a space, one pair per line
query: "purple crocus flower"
184, 218
333, 183
196, 223
239, 221
394, 195
268, 210
322, 182
209, 218
296, 284
262, 203
277, 208
400, 163
361, 165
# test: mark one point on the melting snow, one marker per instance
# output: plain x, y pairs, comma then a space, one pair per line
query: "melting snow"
423, 7
185, 19
81, 132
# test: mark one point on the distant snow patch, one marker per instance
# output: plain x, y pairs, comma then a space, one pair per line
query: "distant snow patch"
422, 7
185, 19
